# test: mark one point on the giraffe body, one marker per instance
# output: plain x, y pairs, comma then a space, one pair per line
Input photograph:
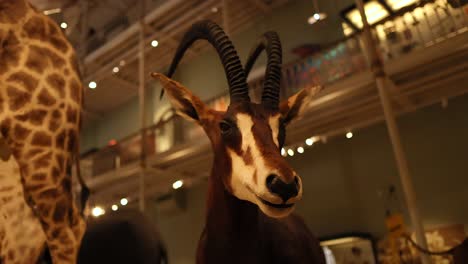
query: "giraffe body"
40, 105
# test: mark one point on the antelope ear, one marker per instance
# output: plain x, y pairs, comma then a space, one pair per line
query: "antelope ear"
294, 106
186, 104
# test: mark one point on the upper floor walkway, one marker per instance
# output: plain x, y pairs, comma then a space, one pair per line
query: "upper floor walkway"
426, 64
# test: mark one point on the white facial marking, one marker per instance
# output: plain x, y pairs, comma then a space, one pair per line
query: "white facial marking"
240, 177
242, 174
274, 125
242, 183
245, 124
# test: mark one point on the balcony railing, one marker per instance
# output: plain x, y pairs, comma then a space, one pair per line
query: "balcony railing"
417, 29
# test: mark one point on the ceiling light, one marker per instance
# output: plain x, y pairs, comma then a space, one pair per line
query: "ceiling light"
316, 17
177, 184
374, 10
52, 11
290, 152
63, 25
300, 150
309, 141
347, 30
283, 152
114, 207
115, 69
349, 135
97, 211
92, 85
123, 201
214, 9
154, 43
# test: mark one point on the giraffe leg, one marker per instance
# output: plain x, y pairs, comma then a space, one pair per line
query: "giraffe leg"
78, 225
46, 184
60, 236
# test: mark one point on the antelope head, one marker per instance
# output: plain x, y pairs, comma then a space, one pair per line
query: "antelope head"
247, 137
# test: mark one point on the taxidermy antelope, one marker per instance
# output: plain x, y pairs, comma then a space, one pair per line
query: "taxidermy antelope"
252, 189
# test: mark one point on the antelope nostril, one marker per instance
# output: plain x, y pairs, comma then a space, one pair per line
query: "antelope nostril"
296, 180
270, 179
282, 189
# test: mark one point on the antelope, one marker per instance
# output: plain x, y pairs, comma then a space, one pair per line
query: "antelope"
252, 190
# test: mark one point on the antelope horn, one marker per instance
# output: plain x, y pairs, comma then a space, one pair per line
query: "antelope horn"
271, 43
215, 35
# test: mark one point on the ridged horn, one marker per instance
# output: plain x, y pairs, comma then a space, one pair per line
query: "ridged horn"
270, 42
214, 34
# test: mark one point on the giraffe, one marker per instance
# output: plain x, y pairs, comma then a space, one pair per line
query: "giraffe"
19, 227
40, 111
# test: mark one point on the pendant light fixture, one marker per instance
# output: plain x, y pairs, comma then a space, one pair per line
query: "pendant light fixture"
317, 16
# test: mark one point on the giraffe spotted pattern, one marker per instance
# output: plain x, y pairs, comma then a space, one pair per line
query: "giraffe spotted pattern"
40, 104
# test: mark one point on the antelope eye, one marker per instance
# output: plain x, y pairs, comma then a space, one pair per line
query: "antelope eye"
225, 126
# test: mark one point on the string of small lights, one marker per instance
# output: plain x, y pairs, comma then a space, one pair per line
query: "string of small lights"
98, 211
307, 143
290, 150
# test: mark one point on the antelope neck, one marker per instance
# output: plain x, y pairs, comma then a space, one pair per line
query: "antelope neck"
228, 219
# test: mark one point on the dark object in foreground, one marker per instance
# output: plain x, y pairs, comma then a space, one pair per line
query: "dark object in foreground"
124, 237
